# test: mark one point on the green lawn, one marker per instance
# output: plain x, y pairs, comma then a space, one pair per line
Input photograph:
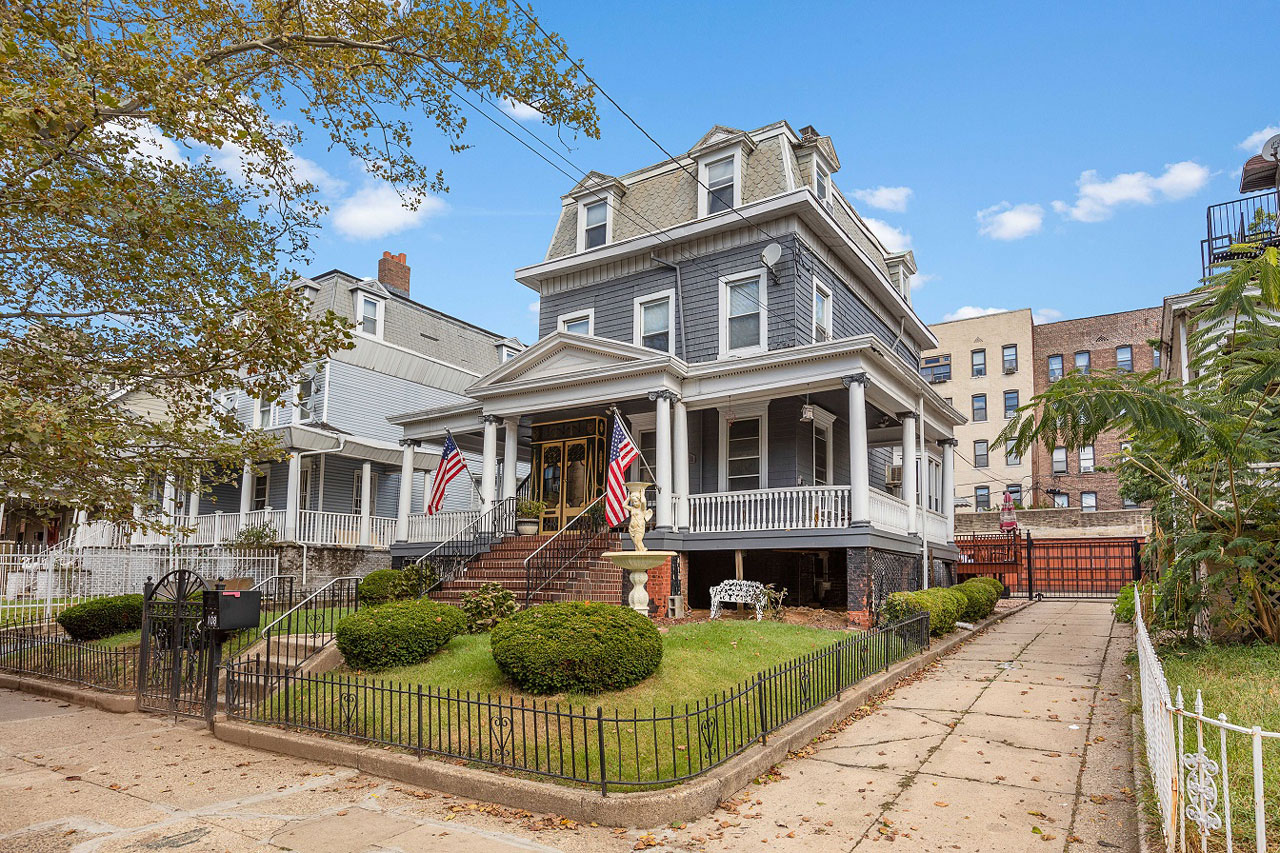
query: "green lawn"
1242, 682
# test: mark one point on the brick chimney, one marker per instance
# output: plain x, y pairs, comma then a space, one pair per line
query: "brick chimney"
393, 272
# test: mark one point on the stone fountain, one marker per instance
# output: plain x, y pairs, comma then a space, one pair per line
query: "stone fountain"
639, 562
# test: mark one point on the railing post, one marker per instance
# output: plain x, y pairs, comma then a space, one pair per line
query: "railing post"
604, 784
760, 706
419, 722
1031, 592
217, 527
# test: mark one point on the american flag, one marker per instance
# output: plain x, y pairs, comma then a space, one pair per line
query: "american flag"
622, 452
451, 465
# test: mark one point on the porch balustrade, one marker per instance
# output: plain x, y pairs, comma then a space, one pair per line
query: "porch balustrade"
802, 507
935, 527
888, 512
440, 527
328, 528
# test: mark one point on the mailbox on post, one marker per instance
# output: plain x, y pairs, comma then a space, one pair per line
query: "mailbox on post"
232, 609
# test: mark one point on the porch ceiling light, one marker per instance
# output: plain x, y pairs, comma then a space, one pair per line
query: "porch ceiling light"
806, 413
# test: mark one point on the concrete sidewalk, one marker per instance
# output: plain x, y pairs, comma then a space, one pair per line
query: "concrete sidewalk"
1019, 741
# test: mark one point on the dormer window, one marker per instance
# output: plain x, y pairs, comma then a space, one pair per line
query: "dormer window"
822, 183
368, 315
595, 224
720, 185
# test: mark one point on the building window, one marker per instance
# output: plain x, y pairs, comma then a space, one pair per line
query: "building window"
1011, 454
978, 361
1124, 359
979, 407
1155, 357
742, 456
654, 319
980, 457
1082, 361
981, 497
935, 485
742, 315
822, 182
821, 455
1061, 500
821, 311
261, 490
1010, 404
579, 323
720, 184
936, 368
1014, 490
1088, 501
1009, 358
306, 397
595, 224
1055, 368
266, 407
1128, 503
1086, 459
368, 315
1059, 460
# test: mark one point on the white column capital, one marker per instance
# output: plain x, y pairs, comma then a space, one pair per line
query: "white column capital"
862, 379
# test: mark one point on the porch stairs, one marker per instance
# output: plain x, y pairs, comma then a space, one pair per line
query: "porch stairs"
589, 577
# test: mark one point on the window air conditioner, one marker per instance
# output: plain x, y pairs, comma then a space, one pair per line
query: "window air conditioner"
1009, 370
893, 475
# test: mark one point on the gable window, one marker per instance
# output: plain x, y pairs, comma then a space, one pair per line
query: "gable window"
1011, 454
982, 497
720, 190
261, 490
980, 456
979, 407
742, 314
1088, 501
1059, 460
1082, 361
821, 311
1055, 368
936, 368
654, 315
368, 315
595, 224
579, 322
1009, 357
978, 361
1124, 359
1061, 500
1010, 404
1086, 459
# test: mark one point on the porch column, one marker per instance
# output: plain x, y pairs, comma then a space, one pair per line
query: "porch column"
406, 489
489, 463
366, 503
949, 486
138, 538
193, 505
82, 522
680, 453
246, 491
291, 499
662, 433
909, 470
169, 509
859, 464
510, 455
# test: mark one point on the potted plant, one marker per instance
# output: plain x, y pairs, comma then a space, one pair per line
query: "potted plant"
529, 517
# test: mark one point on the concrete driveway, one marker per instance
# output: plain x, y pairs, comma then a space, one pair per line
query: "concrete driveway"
1018, 741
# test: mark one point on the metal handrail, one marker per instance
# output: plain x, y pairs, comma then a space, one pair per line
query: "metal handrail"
529, 588
309, 598
464, 530
459, 549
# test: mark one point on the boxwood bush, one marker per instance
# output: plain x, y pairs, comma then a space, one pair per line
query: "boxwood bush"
400, 633
980, 600
578, 646
102, 617
991, 582
900, 605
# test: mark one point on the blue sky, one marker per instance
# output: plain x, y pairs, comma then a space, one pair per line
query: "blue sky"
1056, 158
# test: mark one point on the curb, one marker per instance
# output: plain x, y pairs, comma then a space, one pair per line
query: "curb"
115, 703
682, 802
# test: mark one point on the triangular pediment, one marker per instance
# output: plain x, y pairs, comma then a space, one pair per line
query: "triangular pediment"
565, 354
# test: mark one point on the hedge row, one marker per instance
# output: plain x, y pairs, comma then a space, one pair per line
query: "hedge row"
970, 601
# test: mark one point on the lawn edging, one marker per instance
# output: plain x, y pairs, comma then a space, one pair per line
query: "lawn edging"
683, 802
115, 703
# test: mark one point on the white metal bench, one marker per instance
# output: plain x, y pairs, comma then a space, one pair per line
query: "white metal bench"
738, 592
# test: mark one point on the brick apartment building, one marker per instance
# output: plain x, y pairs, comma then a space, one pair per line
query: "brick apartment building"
1105, 342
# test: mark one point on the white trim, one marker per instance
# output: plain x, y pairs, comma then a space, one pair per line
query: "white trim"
609, 201
736, 152
357, 306
819, 286
761, 276
637, 321
743, 412
573, 316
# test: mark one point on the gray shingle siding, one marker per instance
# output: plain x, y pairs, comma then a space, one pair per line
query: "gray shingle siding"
361, 400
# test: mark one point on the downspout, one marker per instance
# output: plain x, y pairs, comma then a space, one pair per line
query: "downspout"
679, 298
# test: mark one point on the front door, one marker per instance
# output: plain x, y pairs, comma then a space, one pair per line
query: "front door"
568, 468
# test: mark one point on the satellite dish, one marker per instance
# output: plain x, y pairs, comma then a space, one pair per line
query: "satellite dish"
771, 254
1271, 149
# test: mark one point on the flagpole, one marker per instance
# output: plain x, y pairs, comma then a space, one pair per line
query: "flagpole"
617, 416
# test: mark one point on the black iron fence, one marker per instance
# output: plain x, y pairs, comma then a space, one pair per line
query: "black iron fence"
36, 647
564, 741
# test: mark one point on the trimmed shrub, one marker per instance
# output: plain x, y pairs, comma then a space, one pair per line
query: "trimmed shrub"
899, 605
991, 582
980, 600
379, 587
578, 646
487, 606
944, 608
401, 633
102, 617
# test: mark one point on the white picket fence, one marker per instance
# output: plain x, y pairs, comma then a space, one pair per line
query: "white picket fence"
1187, 757
41, 582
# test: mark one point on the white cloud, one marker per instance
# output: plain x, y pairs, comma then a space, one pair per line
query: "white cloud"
235, 161
1097, 199
1046, 315
376, 210
1253, 142
968, 312
885, 198
1005, 221
921, 279
535, 307
519, 110
148, 141
894, 239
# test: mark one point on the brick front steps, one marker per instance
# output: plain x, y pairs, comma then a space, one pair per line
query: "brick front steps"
590, 578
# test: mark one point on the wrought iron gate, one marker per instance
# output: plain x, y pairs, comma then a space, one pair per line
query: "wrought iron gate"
177, 671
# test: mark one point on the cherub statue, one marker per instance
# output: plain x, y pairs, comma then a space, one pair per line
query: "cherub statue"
640, 515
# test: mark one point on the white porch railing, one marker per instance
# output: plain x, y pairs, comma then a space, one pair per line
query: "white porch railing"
1187, 755
802, 507
935, 526
888, 512
384, 532
440, 527
328, 528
